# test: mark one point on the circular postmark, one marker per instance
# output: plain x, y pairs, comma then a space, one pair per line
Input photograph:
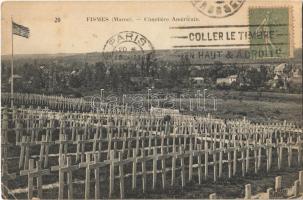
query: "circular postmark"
218, 8
127, 45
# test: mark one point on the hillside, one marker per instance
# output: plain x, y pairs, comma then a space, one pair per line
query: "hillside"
196, 57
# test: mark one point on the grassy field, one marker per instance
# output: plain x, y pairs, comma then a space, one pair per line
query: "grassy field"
260, 111
257, 107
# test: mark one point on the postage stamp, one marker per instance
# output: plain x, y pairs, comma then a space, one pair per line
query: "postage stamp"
271, 32
218, 9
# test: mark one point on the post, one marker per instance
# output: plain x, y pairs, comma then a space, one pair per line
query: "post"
190, 170
198, 104
148, 91
155, 159
121, 173
143, 167
112, 173
229, 162
289, 151
213, 196
269, 191
39, 179
248, 191
299, 150
280, 154
301, 180
97, 177
123, 100
204, 93
101, 95
30, 180
235, 160
199, 166
206, 159
87, 177
61, 178
134, 171
278, 183
215, 165
173, 166
181, 153
69, 179
12, 67
180, 102
190, 107
296, 188
221, 160
247, 157
269, 154
163, 165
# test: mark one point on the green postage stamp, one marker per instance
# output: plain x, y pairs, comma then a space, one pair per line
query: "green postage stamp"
270, 30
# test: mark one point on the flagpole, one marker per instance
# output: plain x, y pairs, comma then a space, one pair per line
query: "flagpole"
12, 66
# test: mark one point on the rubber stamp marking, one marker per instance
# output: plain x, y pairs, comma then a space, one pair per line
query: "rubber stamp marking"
227, 45
218, 8
127, 41
119, 44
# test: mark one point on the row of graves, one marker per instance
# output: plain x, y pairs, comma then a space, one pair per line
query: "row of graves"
50, 154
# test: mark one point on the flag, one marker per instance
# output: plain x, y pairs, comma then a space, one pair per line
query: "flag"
20, 30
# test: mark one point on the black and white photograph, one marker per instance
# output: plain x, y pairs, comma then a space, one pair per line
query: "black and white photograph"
151, 99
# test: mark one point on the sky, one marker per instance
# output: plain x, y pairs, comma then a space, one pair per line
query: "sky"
76, 34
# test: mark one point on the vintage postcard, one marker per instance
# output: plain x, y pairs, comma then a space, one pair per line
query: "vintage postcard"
140, 99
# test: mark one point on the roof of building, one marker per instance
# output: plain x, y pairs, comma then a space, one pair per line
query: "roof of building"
198, 78
280, 67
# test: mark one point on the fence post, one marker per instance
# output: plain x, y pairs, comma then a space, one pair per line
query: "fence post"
296, 188
199, 164
269, 192
247, 156
87, 177
155, 160
190, 170
173, 166
143, 165
163, 165
248, 191
181, 154
289, 143
206, 158
299, 145
221, 159
213, 196
255, 155
278, 183
301, 180
61, 177
69, 179
97, 176
111, 173
121, 174
280, 153
134, 171
235, 159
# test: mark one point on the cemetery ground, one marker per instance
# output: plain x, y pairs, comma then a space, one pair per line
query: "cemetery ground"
223, 187
256, 106
237, 152
265, 106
